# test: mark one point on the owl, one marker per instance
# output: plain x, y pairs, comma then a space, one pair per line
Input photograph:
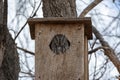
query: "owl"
59, 44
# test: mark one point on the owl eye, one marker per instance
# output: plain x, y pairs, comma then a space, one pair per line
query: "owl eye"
59, 44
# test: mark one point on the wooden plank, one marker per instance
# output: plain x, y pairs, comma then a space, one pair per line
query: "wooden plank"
86, 20
86, 58
65, 66
52, 20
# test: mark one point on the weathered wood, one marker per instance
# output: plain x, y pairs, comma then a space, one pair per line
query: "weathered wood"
86, 58
51, 20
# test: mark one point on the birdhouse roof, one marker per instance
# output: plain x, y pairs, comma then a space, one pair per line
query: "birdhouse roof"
59, 20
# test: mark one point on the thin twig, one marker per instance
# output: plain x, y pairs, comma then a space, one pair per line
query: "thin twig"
32, 53
27, 21
28, 73
94, 50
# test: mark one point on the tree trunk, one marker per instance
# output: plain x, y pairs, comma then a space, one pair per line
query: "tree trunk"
59, 8
9, 60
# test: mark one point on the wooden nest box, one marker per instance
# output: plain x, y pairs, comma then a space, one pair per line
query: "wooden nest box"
61, 47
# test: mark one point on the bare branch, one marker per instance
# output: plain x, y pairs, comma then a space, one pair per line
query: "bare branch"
108, 52
96, 49
28, 73
27, 20
32, 53
89, 8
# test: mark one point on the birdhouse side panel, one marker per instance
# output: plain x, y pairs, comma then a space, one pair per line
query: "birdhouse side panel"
86, 58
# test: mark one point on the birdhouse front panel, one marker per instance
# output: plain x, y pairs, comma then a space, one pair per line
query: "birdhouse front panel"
59, 51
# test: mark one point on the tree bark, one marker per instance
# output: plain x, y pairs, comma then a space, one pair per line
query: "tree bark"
59, 8
9, 60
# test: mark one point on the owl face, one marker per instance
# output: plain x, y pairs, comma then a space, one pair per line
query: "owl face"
59, 44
